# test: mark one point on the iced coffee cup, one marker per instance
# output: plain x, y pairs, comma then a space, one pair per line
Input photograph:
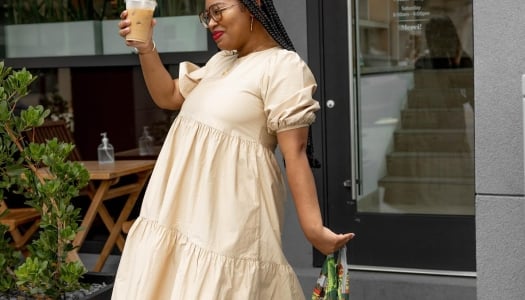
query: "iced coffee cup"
140, 13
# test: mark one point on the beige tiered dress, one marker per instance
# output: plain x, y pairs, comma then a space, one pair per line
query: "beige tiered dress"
211, 219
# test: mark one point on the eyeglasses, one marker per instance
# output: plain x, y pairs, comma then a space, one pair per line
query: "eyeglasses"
214, 12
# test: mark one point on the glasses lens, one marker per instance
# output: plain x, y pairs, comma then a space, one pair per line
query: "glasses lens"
216, 13
204, 19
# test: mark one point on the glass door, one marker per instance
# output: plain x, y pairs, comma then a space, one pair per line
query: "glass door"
409, 186
415, 100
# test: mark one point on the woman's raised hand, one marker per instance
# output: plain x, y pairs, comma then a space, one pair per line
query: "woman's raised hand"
124, 29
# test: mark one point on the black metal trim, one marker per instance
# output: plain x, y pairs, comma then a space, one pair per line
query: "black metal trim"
435, 242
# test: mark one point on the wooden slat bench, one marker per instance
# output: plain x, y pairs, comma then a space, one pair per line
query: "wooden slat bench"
22, 223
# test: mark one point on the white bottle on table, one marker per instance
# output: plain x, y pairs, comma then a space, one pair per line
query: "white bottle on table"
146, 143
106, 153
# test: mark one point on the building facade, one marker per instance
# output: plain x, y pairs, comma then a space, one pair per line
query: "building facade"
421, 146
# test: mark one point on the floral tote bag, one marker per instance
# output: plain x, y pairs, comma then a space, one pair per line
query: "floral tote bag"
333, 282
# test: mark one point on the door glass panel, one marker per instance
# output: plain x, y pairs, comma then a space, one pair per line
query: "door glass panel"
415, 106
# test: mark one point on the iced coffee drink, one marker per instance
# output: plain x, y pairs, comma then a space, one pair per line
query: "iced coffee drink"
140, 13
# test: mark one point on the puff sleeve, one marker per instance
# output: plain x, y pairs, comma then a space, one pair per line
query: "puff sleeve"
287, 91
189, 76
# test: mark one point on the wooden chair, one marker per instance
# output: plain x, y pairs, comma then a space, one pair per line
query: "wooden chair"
57, 129
54, 129
22, 223
126, 226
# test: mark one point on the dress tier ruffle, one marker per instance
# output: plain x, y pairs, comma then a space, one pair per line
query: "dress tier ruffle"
211, 219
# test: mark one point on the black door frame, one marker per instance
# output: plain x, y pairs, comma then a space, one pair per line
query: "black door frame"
433, 242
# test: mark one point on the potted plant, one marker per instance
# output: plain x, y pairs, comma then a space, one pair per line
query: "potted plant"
48, 180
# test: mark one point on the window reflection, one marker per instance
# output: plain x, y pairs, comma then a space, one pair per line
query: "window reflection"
416, 107
179, 7
391, 33
56, 28
46, 11
444, 48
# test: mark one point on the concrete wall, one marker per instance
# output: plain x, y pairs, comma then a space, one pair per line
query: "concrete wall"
499, 57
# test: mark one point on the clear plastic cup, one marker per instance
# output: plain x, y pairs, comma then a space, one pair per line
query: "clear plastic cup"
140, 13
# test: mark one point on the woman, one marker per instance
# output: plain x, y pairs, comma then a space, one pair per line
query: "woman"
211, 219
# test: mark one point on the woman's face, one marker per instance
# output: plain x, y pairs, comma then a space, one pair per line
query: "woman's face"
232, 30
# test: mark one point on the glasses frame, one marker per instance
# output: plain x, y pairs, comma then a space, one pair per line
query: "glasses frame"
216, 15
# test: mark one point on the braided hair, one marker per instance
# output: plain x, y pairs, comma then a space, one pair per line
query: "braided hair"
267, 15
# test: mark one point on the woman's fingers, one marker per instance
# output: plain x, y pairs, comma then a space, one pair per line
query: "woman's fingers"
123, 32
124, 14
124, 23
331, 242
343, 239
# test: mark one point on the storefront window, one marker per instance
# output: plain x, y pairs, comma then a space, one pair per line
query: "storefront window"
53, 28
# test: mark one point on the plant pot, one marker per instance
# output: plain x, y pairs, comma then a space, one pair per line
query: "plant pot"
103, 293
53, 39
171, 34
93, 278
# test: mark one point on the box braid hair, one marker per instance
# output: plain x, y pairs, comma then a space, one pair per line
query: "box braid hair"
267, 15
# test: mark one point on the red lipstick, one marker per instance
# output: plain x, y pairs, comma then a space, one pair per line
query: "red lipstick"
217, 34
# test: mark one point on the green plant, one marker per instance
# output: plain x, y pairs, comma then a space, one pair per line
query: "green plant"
45, 273
46, 11
9, 260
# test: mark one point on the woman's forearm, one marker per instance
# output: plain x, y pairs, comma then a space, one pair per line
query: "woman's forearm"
163, 89
302, 187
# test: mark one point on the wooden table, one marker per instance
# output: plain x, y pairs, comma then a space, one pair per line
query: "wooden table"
102, 187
